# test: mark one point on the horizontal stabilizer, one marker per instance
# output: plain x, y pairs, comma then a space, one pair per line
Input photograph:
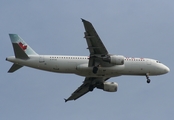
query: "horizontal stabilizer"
14, 67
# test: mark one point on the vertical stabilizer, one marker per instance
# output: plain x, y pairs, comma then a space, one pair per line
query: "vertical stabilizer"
21, 48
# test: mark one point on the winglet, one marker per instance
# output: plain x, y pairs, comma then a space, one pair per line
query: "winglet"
82, 19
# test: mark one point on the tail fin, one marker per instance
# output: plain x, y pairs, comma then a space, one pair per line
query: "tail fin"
21, 48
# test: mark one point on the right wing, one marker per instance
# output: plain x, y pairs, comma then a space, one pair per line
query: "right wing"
88, 85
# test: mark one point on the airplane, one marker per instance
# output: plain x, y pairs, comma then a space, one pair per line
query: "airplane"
97, 68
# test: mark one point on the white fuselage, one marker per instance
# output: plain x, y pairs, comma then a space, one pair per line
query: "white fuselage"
79, 65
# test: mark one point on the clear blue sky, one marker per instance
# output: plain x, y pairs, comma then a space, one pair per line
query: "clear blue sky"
132, 28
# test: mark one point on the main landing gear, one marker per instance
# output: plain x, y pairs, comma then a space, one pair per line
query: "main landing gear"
147, 77
95, 69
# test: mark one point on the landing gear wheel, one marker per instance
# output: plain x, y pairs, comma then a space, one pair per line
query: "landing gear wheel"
95, 69
148, 80
147, 76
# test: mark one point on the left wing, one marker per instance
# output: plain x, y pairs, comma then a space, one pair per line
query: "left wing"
88, 85
96, 47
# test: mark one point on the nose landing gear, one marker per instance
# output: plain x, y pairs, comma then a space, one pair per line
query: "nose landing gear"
147, 77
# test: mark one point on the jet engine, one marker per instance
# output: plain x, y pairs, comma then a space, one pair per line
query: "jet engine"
115, 59
108, 86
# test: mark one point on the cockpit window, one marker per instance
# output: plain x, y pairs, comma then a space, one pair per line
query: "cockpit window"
158, 61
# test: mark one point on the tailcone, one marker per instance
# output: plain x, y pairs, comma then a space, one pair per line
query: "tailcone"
11, 58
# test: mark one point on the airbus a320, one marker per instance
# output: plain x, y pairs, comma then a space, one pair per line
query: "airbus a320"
97, 68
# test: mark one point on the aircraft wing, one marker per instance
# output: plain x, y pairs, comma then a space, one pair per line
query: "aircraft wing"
94, 42
88, 85
95, 45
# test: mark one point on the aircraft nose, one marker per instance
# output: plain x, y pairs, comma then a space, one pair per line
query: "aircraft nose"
167, 69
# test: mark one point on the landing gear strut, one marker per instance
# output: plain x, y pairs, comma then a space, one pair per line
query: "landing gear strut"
147, 76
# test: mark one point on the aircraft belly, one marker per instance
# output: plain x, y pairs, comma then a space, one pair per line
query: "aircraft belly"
62, 66
84, 70
134, 68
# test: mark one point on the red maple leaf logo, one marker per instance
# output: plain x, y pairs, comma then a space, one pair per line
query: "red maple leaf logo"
22, 46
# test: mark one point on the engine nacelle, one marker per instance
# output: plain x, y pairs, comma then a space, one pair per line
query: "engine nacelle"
108, 86
117, 59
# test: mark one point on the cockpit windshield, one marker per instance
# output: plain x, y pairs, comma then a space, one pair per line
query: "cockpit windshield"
158, 61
